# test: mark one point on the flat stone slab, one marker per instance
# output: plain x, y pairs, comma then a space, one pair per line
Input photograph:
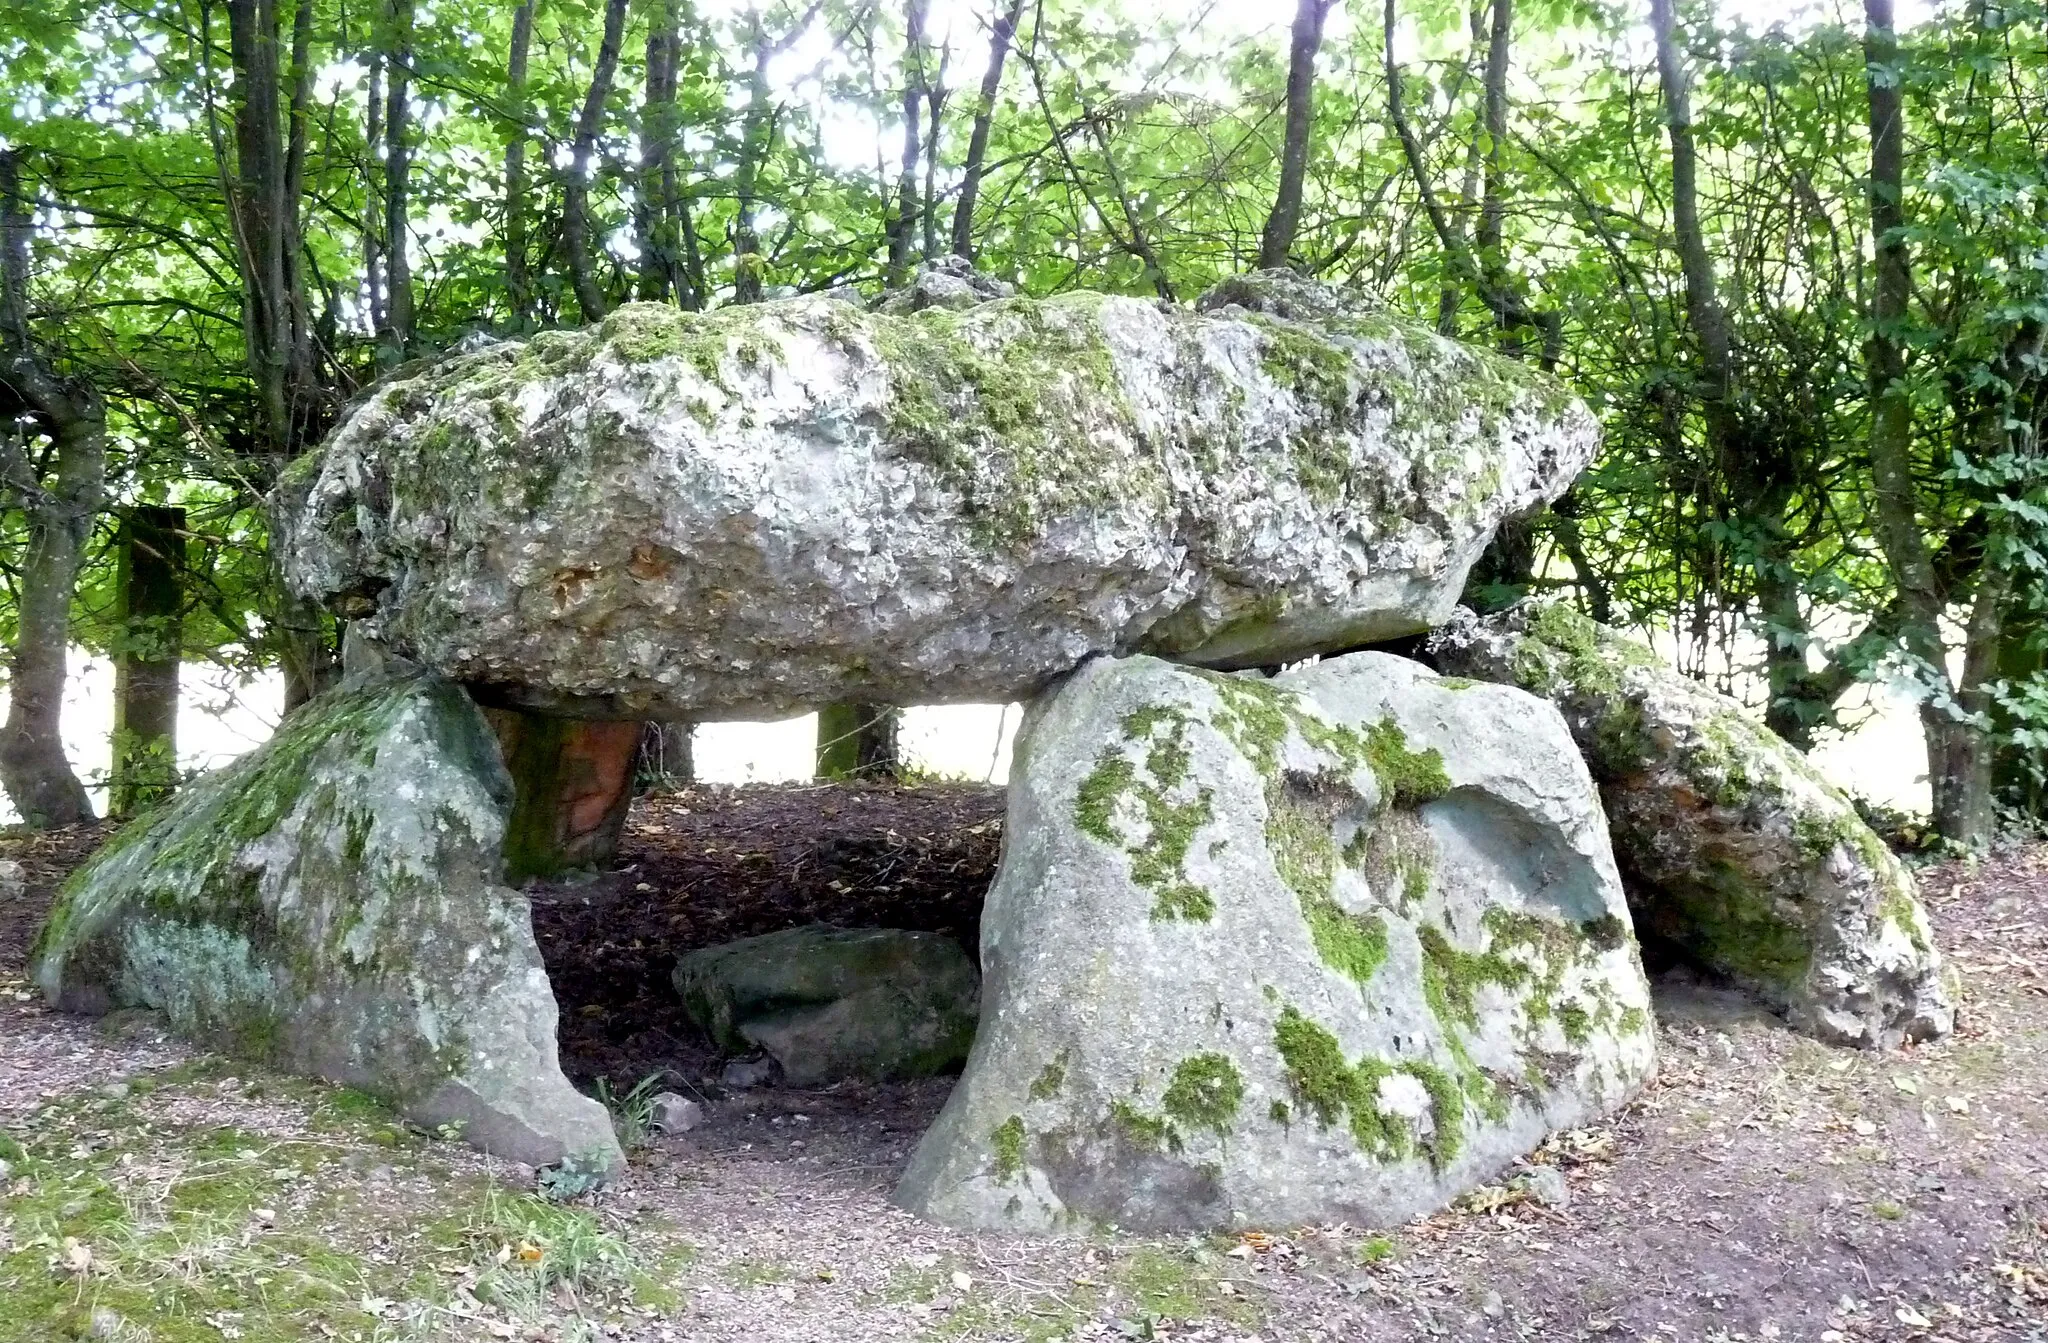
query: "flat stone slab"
763, 509
1336, 946
1738, 853
829, 1004
330, 904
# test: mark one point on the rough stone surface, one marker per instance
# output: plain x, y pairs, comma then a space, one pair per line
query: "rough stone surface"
947, 282
330, 904
829, 1004
767, 508
671, 1113
1739, 855
1331, 947
13, 880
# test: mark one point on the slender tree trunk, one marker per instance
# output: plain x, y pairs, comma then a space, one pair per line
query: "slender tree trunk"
373, 208
1449, 296
519, 288
935, 106
858, 741
668, 758
1753, 473
1493, 198
655, 213
576, 239
1285, 218
902, 229
263, 188
1960, 748
984, 119
1494, 290
59, 517
150, 607
755, 133
396, 337
1950, 744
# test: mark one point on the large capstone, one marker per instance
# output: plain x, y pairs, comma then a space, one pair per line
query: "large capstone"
1740, 857
766, 508
829, 1004
330, 904
1332, 947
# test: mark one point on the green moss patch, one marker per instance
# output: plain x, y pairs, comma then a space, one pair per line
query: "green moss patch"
1336, 1090
1205, 1092
1170, 816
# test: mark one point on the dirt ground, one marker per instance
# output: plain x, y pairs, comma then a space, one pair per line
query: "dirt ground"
1764, 1187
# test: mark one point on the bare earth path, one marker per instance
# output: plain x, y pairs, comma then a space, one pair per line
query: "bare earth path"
1764, 1188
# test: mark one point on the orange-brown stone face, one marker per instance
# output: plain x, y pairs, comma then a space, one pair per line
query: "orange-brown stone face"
573, 782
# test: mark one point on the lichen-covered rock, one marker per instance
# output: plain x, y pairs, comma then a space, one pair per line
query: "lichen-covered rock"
945, 282
1331, 947
1739, 856
330, 904
766, 508
828, 1004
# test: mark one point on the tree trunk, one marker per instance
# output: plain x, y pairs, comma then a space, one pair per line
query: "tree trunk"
33, 767
1493, 287
984, 120
655, 211
263, 187
755, 133
576, 239
858, 741
150, 606
935, 106
1950, 774
396, 338
1285, 218
902, 229
519, 288
373, 212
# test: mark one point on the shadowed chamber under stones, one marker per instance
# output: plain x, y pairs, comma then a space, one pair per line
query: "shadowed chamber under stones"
710, 865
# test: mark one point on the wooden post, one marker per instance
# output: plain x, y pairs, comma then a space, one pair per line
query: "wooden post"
149, 611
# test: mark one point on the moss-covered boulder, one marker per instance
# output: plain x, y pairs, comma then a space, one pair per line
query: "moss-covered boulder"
330, 904
1334, 946
1739, 856
766, 508
828, 1004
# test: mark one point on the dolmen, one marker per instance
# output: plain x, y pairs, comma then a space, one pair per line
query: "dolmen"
1332, 944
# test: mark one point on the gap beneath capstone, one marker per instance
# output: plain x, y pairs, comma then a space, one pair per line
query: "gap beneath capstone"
721, 863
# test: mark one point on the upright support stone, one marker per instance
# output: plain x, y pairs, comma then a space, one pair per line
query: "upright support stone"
572, 782
1330, 947
149, 606
330, 904
1741, 858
